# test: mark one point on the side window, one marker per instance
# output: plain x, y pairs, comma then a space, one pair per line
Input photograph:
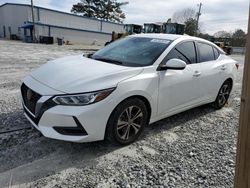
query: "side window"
206, 52
184, 51
175, 54
216, 53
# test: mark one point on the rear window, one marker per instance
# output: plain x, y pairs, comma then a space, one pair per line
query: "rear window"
206, 52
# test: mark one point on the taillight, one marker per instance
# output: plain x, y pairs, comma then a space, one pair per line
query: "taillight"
237, 65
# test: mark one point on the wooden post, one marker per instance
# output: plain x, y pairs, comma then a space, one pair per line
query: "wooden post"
242, 173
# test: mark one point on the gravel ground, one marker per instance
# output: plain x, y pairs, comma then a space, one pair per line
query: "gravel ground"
196, 148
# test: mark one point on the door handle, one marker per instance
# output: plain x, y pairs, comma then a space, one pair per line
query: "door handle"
197, 74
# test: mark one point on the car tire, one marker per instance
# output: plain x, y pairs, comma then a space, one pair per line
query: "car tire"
127, 122
223, 95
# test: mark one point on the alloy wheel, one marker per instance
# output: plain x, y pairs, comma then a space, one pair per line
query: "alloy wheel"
129, 123
224, 94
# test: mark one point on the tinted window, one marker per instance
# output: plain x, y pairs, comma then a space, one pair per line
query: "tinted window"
133, 51
206, 52
184, 51
216, 53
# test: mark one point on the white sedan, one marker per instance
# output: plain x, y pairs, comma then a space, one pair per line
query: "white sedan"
126, 85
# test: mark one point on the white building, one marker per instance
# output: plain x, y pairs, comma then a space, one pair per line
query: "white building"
16, 20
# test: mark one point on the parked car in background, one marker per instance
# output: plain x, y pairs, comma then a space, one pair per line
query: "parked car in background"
126, 85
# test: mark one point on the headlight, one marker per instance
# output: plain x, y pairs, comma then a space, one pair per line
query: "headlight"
82, 99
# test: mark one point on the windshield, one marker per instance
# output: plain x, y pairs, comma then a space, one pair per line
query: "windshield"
132, 51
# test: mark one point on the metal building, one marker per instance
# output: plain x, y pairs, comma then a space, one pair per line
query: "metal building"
16, 22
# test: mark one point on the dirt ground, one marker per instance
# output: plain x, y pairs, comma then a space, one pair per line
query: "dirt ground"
196, 148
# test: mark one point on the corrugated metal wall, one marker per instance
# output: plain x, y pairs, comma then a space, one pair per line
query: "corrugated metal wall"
80, 36
71, 27
72, 21
109, 27
66, 20
12, 17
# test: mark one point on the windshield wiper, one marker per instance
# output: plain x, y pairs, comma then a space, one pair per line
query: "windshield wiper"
109, 60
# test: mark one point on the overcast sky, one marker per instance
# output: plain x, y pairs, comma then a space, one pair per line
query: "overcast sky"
216, 14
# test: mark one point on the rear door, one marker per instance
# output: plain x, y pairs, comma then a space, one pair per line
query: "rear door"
210, 70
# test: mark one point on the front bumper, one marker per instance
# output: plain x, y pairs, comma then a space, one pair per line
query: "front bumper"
70, 123
92, 120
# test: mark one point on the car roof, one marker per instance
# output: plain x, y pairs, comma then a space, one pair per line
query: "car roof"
173, 37
159, 36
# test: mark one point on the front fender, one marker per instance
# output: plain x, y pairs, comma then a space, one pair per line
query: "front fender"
145, 84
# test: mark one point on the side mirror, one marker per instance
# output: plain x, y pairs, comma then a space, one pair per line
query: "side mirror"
174, 64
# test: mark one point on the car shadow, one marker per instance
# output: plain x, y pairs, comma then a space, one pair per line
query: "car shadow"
27, 156
178, 119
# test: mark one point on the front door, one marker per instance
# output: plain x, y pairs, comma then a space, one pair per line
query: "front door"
179, 88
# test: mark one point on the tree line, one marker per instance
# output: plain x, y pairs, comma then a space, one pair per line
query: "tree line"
111, 10
108, 10
188, 17
236, 38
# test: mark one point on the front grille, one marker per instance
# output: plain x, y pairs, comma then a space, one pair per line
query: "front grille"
45, 106
30, 98
30, 101
35, 120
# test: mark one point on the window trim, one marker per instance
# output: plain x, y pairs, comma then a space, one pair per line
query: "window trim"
179, 43
214, 48
202, 42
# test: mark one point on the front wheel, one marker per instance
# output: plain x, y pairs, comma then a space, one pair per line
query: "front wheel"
223, 95
127, 121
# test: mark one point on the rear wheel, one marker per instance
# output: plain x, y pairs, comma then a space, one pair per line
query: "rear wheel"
127, 121
223, 95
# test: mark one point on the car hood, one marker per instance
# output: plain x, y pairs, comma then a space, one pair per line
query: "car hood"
78, 74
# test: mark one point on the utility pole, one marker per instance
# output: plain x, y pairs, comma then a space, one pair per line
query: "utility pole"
33, 20
109, 4
198, 17
242, 173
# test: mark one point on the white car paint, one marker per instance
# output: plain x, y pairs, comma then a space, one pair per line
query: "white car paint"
168, 92
86, 72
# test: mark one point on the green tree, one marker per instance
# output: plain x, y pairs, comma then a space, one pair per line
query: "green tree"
187, 16
109, 10
206, 36
239, 33
85, 7
183, 15
191, 27
223, 34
